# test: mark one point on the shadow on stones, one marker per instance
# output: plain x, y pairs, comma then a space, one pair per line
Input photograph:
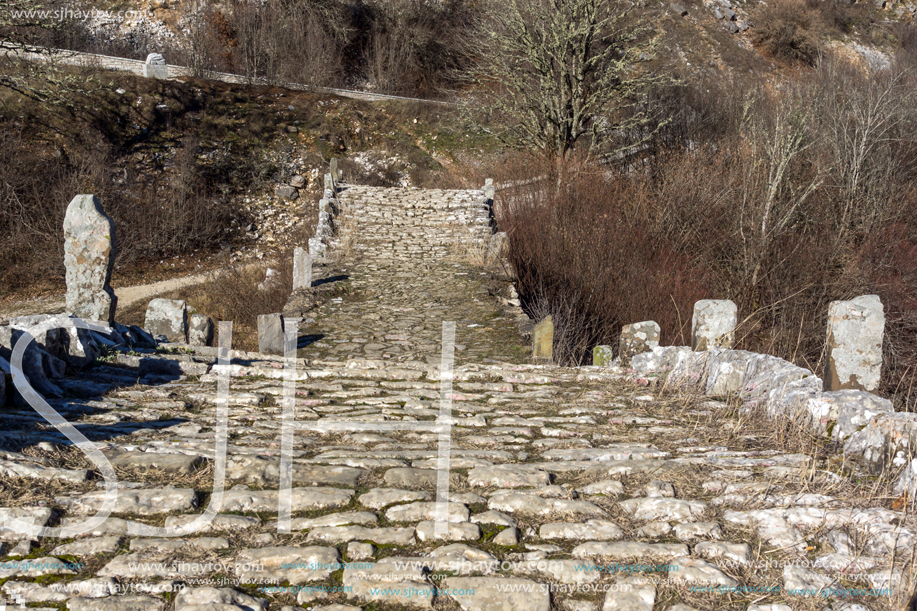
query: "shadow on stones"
304, 341
329, 280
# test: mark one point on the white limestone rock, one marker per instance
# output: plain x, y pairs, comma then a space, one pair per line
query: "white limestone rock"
168, 318
854, 346
498, 594
224, 599
90, 247
713, 324
653, 509
590, 530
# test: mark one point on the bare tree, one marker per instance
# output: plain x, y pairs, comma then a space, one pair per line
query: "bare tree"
778, 132
863, 116
565, 70
204, 45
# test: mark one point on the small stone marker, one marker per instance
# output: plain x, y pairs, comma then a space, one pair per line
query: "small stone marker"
713, 324
499, 242
602, 356
489, 189
543, 337
855, 331
302, 269
333, 165
89, 258
330, 183
155, 66
636, 339
168, 317
200, 330
270, 334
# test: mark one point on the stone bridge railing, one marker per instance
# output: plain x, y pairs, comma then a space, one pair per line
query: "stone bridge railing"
156, 67
840, 406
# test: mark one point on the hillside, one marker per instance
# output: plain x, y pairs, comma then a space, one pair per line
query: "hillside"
695, 36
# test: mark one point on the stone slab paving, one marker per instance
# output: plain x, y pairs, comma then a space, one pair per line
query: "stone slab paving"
570, 489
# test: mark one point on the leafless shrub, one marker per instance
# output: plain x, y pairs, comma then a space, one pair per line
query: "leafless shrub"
160, 217
797, 197
788, 29
576, 248
239, 293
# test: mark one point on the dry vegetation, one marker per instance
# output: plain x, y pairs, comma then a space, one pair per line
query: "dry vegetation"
781, 201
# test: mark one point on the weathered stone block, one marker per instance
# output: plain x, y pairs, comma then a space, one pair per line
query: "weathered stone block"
59, 341
690, 371
155, 67
726, 370
302, 269
168, 317
769, 382
543, 339
489, 190
498, 244
854, 347
333, 167
713, 324
317, 247
4, 366
845, 412
90, 247
33, 363
298, 181
200, 330
137, 337
789, 397
636, 339
906, 484
270, 334
286, 192
887, 441
659, 361
602, 356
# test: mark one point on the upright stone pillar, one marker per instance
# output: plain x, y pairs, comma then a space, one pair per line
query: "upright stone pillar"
713, 324
270, 334
636, 339
543, 339
489, 190
602, 356
302, 269
854, 346
90, 247
200, 330
333, 166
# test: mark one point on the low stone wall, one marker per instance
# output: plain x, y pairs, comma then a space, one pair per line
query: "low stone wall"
864, 424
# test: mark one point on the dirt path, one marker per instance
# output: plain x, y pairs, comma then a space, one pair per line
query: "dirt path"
127, 296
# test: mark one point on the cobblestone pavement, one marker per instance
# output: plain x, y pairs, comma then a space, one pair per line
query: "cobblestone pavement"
573, 489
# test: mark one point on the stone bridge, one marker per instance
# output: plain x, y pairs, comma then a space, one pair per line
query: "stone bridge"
574, 489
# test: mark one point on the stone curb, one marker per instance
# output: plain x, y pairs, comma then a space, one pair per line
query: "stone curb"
864, 423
